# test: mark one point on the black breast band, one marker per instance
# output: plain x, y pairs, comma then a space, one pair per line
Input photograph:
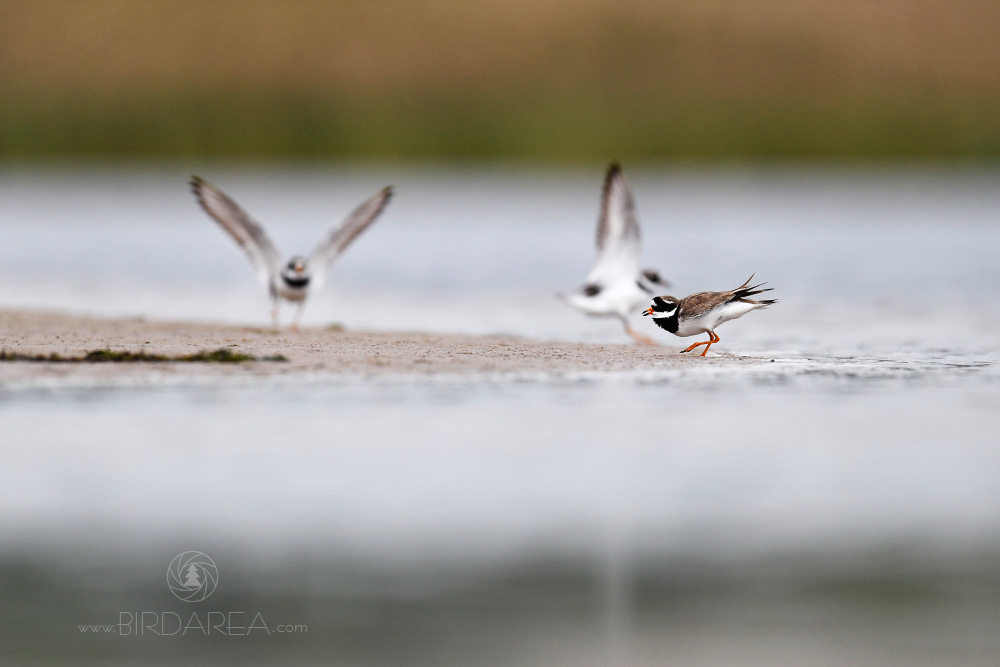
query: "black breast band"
668, 323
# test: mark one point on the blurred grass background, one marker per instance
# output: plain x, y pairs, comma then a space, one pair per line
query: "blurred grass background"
547, 80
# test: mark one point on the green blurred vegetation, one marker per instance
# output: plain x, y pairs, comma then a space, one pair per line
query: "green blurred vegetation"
544, 80
359, 614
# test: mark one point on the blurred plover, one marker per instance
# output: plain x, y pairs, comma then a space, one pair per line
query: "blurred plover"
704, 311
296, 278
616, 286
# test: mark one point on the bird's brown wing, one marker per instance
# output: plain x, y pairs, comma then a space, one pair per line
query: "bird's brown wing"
702, 302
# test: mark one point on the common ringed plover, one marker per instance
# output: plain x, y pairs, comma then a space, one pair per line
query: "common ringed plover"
704, 311
616, 286
293, 280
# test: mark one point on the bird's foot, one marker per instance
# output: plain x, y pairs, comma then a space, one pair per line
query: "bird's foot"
712, 339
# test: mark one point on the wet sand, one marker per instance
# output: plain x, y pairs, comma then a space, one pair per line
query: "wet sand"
309, 351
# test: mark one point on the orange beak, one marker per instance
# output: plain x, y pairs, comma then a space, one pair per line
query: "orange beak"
648, 311
299, 268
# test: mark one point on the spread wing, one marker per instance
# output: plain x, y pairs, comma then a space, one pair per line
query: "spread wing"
619, 241
339, 237
245, 230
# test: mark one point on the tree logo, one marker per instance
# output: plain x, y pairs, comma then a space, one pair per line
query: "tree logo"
192, 576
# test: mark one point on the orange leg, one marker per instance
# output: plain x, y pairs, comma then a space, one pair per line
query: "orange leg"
691, 347
638, 337
715, 339
712, 338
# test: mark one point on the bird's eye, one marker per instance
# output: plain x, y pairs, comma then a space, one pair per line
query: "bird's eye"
652, 276
592, 290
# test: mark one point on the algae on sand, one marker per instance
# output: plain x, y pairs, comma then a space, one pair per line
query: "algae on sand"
220, 356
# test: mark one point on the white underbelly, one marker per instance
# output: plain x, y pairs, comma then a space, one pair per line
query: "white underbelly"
291, 293
695, 325
713, 318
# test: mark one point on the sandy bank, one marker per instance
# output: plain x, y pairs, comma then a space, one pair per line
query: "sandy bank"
309, 351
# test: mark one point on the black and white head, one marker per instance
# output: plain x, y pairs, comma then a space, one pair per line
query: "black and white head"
296, 272
662, 307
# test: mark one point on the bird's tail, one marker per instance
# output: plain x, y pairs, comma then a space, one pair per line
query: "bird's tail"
744, 291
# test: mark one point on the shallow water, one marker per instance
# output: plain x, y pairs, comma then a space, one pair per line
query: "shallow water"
837, 506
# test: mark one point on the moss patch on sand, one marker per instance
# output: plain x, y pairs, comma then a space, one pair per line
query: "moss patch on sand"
220, 356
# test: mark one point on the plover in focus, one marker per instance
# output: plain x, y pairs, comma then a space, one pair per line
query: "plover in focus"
704, 311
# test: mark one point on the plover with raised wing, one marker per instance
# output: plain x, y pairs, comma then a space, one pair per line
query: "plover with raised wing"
296, 278
616, 286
